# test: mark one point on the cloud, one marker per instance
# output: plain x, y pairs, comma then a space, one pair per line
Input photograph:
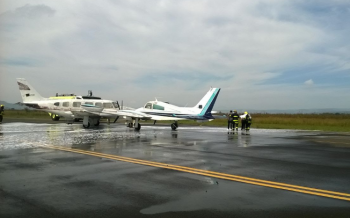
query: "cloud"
28, 12
136, 49
309, 82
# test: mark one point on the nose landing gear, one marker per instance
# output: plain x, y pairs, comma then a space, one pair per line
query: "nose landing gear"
174, 125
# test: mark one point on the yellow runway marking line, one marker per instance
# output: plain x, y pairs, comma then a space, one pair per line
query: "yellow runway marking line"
205, 171
283, 186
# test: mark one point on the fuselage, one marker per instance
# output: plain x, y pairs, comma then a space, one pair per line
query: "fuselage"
159, 110
74, 107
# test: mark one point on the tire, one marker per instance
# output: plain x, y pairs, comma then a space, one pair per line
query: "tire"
138, 127
86, 126
173, 126
97, 123
55, 117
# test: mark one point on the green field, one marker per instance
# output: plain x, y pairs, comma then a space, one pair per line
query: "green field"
325, 122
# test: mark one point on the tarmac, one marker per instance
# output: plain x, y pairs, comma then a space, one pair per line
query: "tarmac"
52, 169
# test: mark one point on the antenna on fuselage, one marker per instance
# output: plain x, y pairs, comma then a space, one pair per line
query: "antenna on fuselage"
157, 98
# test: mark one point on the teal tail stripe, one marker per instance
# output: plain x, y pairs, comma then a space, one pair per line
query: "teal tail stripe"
209, 105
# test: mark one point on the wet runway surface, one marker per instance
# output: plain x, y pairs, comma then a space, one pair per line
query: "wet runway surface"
37, 180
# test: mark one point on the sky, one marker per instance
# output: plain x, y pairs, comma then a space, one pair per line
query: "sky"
272, 54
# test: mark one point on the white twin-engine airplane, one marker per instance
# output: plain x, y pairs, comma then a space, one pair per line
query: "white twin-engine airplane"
91, 109
158, 110
86, 107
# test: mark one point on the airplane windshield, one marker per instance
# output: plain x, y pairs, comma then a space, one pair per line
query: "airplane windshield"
148, 106
108, 105
158, 107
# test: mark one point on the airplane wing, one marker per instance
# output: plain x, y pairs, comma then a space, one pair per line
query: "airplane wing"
66, 114
133, 113
127, 113
193, 117
220, 116
199, 117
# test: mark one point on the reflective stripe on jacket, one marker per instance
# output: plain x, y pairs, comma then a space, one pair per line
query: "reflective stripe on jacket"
235, 117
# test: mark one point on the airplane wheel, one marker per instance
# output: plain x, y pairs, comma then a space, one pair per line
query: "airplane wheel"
86, 126
138, 127
130, 125
97, 124
173, 126
55, 117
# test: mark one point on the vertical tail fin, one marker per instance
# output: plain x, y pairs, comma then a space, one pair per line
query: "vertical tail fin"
28, 93
206, 104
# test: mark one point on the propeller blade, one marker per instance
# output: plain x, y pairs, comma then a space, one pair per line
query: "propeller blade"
118, 105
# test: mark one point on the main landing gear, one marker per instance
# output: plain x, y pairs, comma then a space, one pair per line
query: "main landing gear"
87, 121
54, 117
136, 125
174, 125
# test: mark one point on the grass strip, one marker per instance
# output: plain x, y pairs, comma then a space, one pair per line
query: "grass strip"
324, 122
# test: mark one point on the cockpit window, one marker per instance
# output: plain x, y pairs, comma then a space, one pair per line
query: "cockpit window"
148, 106
56, 104
158, 107
107, 105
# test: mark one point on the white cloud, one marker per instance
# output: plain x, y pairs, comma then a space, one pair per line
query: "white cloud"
309, 82
116, 48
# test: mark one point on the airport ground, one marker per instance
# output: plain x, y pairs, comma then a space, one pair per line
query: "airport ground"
51, 169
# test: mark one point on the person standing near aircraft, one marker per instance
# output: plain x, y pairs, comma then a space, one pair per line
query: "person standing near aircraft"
235, 117
230, 120
1, 113
243, 120
248, 119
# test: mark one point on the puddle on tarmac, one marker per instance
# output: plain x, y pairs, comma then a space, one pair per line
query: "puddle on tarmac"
31, 135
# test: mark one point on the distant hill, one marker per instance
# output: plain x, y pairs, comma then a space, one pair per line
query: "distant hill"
15, 106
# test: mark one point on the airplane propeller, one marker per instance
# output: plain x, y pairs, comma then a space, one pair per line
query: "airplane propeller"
118, 106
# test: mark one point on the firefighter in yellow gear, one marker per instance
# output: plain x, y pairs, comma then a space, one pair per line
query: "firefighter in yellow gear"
229, 120
235, 118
